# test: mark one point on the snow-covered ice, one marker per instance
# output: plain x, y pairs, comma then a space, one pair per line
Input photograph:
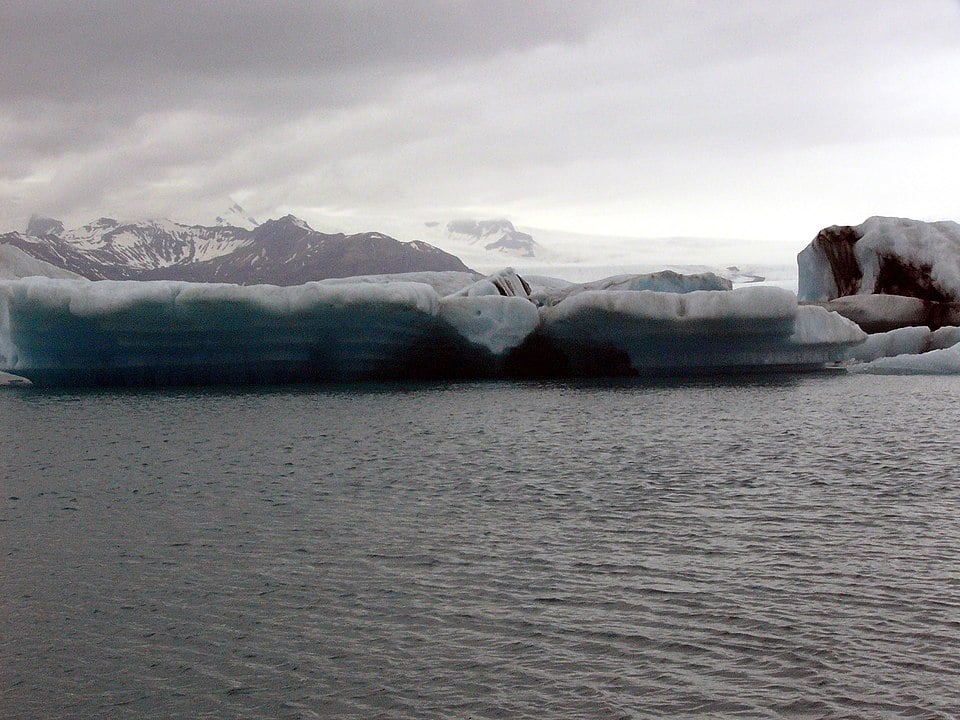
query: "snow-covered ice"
445, 282
665, 281
493, 322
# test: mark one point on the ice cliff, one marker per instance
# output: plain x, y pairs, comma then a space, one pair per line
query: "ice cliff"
77, 331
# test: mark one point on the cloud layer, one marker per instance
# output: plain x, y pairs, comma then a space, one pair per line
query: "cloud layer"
744, 119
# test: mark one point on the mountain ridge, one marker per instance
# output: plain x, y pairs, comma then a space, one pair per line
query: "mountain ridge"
284, 251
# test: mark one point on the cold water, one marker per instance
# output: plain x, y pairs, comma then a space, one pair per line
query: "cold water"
774, 546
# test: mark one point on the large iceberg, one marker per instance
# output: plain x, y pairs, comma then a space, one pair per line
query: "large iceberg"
665, 281
77, 331
164, 331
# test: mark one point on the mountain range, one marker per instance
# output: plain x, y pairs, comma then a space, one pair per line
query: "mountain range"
286, 251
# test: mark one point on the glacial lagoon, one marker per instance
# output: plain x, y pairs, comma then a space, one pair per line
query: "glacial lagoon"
779, 545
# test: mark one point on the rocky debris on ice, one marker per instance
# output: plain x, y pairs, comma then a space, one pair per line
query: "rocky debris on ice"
504, 283
888, 256
886, 273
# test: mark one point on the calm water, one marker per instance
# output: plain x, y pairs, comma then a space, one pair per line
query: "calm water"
751, 548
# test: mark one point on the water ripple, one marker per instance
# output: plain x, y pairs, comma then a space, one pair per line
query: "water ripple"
750, 548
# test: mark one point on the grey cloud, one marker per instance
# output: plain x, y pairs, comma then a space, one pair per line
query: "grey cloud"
76, 50
169, 107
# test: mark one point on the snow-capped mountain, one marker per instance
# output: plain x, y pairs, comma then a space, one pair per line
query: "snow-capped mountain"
107, 249
289, 252
281, 252
236, 216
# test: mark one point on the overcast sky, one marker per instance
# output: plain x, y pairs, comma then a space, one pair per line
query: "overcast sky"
748, 119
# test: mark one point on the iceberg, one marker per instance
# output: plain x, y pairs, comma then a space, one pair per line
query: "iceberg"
945, 361
883, 255
15, 264
55, 331
665, 281
909, 350
881, 313
130, 332
702, 331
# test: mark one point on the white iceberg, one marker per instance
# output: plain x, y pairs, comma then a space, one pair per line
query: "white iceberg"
935, 362
15, 264
665, 281
909, 351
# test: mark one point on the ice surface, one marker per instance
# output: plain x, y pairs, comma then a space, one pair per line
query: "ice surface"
493, 322
880, 313
902, 341
445, 282
69, 331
